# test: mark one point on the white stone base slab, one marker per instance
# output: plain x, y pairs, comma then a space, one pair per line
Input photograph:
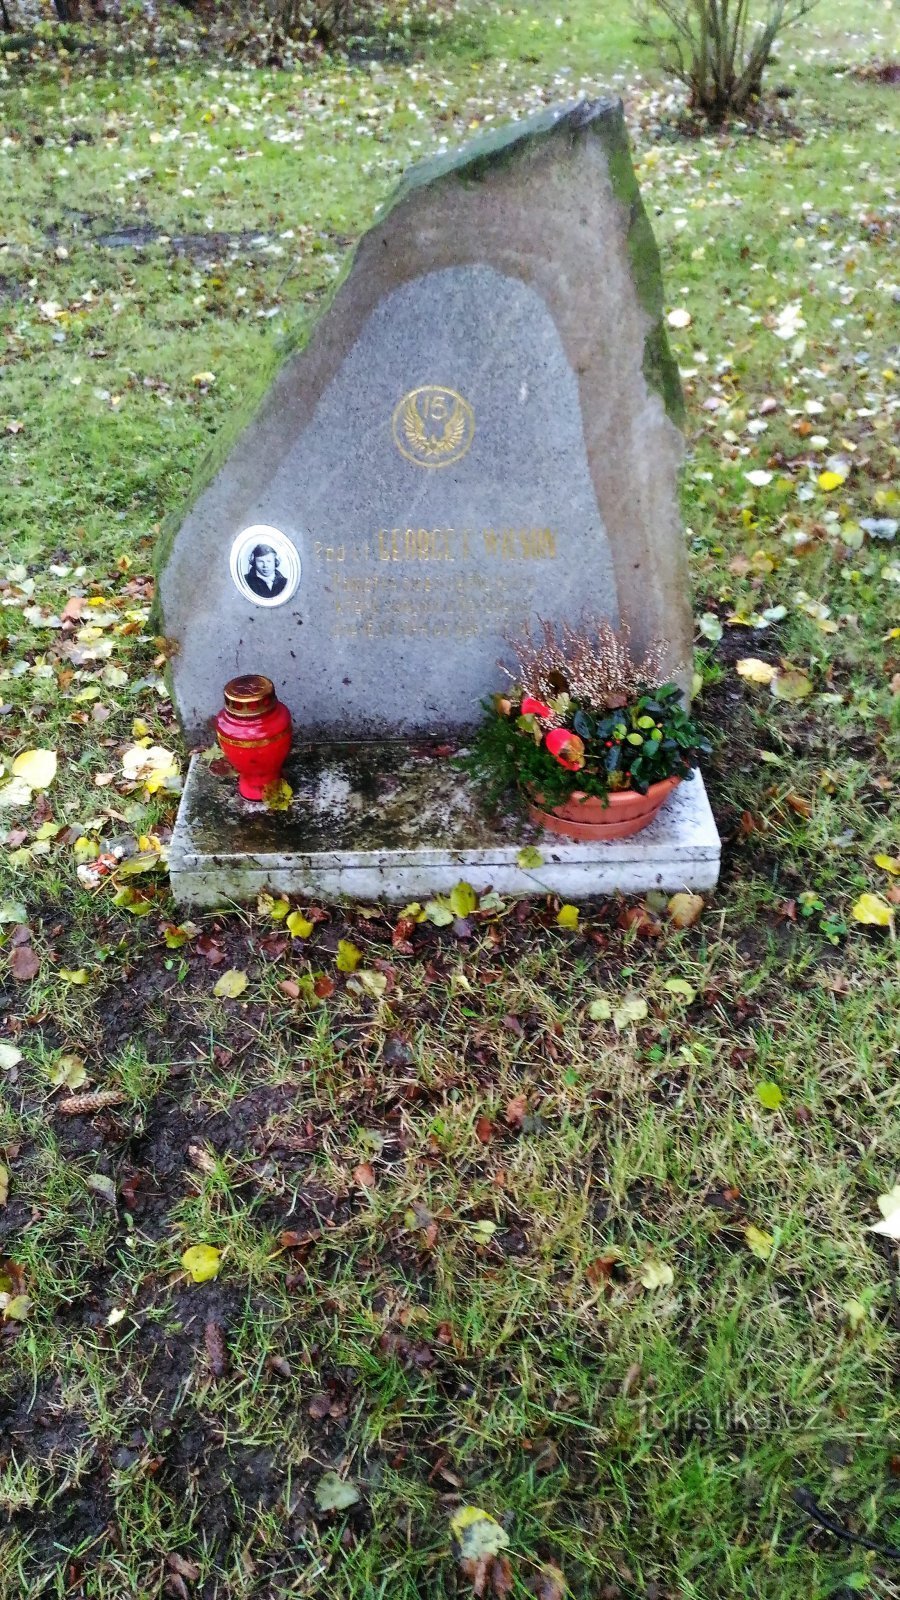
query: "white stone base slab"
398, 823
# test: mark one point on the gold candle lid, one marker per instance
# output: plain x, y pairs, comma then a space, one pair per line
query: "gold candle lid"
250, 695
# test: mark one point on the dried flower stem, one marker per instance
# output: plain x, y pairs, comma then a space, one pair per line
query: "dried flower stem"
591, 661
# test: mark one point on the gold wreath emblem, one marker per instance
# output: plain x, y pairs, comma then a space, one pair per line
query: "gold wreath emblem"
433, 426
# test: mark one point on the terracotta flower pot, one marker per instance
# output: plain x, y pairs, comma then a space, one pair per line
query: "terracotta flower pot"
585, 817
254, 731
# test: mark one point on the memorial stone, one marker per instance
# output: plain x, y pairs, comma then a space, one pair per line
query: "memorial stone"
482, 428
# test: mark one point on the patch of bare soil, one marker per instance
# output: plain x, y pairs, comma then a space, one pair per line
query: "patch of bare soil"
879, 72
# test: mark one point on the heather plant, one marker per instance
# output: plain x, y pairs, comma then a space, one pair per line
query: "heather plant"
582, 716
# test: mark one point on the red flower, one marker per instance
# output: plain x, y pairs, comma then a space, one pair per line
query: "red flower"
535, 708
567, 748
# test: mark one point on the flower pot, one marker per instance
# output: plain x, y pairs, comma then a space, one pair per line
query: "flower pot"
254, 731
624, 812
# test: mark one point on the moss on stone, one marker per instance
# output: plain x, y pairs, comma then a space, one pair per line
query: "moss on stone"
603, 119
659, 365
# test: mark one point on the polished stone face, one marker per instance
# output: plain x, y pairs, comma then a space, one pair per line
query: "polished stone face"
430, 518
469, 441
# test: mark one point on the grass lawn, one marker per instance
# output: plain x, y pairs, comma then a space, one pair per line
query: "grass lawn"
479, 1244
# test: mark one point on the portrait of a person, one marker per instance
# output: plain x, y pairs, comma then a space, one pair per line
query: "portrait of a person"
263, 575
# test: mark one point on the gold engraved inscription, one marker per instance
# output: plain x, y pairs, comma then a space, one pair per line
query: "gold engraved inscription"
433, 426
463, 606
458, 544
428, 583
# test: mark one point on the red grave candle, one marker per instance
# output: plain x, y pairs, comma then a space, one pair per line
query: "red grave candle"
254, 730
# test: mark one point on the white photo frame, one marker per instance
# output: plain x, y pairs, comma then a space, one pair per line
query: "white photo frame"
265, 566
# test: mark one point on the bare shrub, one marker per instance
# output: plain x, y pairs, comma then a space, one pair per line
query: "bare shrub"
718, 48
325, 20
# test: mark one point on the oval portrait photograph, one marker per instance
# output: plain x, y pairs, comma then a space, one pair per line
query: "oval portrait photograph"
265, 566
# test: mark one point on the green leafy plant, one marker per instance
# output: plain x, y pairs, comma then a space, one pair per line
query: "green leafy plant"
599, 729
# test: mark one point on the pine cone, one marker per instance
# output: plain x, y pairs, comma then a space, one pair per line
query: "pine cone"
201, 1158
84, 1105
216, 1352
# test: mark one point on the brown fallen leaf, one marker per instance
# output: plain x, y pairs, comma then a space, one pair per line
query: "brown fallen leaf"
184, 1569
83, 1105
210, 949
291, 988
400, 938
641, 920
484, 1130
630, 1379
548, 1584
489, 1575
24, 963
797, 803
364, 1175
290, 1239
600, 1270
516, 1111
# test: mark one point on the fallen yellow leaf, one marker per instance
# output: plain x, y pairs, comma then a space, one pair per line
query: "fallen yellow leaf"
231, 984
349, 956
298, 926
463, 899
657, 1275
759, 1242
831, 480
791, 684
15, 1306
681, 989
202, 1261
373, 983
478, 1535
872, 909
141, 763
567, 917
633, 1008
277, 796
889, 1206
685, 909
68, 1073
36, 767
756, 671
